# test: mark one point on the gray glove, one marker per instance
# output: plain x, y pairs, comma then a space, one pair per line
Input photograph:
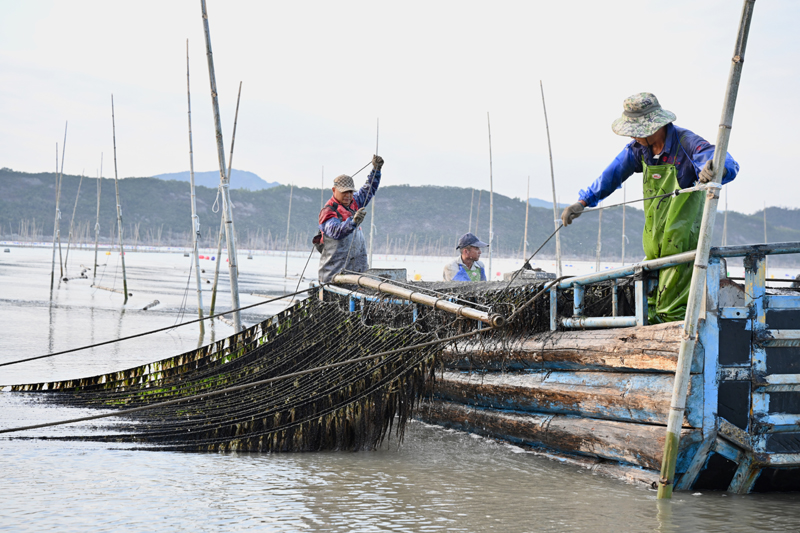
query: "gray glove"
358, 218
571, 213
377, 162
707, 174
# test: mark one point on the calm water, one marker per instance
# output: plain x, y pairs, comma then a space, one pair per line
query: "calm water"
436, 480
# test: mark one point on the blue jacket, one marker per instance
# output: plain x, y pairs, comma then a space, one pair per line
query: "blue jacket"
692, 153
337, 229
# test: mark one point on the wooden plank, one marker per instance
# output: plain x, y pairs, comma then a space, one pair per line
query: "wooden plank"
610, 395
642, 348
637, 444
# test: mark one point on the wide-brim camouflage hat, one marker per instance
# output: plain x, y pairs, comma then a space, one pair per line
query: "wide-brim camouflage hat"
344, 183
642, 116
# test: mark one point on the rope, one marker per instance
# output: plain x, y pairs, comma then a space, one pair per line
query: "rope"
676, 192
71, 350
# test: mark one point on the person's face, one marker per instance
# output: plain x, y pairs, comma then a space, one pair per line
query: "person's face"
344, 198
651, 139
473, 253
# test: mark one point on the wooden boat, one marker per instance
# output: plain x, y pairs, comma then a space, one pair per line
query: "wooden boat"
596, 390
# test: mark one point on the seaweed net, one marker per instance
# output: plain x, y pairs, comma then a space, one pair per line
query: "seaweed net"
351, 407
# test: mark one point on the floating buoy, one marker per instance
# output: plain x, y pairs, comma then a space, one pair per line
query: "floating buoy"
417, 277
7, 250
212, 258
185, 254
150, 305
108, 253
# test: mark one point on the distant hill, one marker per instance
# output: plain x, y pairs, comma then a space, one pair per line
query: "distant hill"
240, 179
547, 204
159, 212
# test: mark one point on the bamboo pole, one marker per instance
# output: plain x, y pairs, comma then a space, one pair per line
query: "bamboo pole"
226, 201
288, 225
119, 207
599, 239
527, 205
491, 199
60, 183
689, 340
55, 229
372, 215
493, 319
478, 211
222, 218
471, 202
72, 223
553, 183
195, 218
97, 220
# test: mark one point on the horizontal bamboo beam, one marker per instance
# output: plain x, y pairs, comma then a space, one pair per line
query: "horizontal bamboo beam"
642, 348
623, 396
492, 319
638, 444
629, 270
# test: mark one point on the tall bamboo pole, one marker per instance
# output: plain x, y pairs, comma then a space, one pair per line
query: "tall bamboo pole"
599, 239
222, 218
195, 218
553, 183
471, 203
527, 205
372, 215
689, 340
60, 183
97, 220
288, 225
72, 223
55, 230
491, 198
224, 180
119, 207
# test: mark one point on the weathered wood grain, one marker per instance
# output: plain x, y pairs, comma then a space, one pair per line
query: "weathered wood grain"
637, 444
641, 348
621, 396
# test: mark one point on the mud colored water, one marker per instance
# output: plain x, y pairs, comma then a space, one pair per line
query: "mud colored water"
436, 480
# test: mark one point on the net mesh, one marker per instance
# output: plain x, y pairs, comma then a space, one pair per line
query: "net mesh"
350, 407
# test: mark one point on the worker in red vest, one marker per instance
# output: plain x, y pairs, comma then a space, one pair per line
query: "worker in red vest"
340, 239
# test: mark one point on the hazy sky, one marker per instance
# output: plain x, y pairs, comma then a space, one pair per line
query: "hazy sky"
318, 75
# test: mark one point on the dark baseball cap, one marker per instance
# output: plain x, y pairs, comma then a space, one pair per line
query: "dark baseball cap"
468, 239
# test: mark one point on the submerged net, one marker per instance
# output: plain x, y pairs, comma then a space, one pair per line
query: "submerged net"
349, 407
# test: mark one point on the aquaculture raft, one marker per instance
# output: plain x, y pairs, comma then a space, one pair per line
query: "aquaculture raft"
605, 393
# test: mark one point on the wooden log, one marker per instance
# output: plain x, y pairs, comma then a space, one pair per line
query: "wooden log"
641, 348
620, 396
637, 444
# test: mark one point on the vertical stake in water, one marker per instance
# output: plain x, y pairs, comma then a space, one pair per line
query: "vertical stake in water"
288, 225
195, 218
372, 215
222, 218
491, 199
119, 207
55, 230
97, 220
689, 340
226, 200
60, 183
72, 223
527, 205
553, 183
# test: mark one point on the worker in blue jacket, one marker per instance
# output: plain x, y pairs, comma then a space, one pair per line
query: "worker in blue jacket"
467, 267
669, 158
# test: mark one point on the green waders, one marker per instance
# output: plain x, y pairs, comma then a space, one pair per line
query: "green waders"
671, 226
